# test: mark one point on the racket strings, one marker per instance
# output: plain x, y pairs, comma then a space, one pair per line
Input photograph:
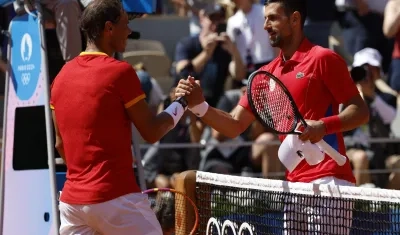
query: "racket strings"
272, 104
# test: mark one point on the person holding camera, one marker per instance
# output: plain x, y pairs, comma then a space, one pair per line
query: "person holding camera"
245, 29
366, 70
208, 55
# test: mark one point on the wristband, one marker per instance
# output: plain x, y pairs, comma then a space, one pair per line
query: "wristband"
175, 110
332, 124
200, 110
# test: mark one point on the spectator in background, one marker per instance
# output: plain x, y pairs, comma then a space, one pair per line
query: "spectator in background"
245, 29
319, 20
154, 94
162, 165
191, 8
208, 55
66, 14
391, 29
365, 156
165, 212
361, 22
237, 159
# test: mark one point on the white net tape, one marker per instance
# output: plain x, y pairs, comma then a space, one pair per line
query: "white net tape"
384, 195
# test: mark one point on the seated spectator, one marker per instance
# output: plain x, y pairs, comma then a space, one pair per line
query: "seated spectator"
161, 165
191, 8
363, 155
207, 56
361, 23
391, 29
238, 159
66, 14
245, 29
319, 20
165, 212
150, 86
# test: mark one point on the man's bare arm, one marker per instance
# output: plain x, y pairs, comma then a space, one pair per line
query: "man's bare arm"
152, 127
355, 114
240, 69
391, 22
229, 125
59, 142
198, 62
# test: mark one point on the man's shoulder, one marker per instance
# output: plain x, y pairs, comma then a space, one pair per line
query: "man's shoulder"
271, 64
323, 53
235, 19
190, 40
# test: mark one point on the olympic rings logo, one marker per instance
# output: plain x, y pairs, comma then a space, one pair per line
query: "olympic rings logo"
25, 78
226, 226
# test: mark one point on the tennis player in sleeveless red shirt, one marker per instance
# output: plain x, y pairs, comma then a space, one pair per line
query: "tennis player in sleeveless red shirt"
319, 81
94, 100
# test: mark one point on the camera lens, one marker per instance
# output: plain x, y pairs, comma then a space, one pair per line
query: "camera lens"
358, 74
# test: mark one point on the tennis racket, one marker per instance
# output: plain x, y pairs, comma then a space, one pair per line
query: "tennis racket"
174, 210
274, 107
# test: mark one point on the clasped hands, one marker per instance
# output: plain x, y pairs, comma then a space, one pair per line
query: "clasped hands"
191, 90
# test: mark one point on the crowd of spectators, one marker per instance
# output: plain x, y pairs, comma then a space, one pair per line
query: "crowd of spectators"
227, 42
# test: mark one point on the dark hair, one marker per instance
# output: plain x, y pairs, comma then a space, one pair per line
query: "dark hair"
165, 211
291, 6
96, 14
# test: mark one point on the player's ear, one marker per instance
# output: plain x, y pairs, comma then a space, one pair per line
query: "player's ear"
295, 19
108, 26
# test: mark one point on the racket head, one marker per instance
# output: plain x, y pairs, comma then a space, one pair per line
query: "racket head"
173, 209
272, 104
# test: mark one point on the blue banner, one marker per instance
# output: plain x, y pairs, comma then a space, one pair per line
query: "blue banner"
5, 2
26, 55
140, 6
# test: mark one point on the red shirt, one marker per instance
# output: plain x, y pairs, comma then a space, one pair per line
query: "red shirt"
89, 97
324, 84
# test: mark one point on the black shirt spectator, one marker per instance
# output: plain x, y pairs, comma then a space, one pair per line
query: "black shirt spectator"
215, 72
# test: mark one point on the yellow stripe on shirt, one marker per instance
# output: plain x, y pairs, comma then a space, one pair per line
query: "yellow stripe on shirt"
135, 100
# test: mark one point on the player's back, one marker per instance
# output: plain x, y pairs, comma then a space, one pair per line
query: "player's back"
95, 129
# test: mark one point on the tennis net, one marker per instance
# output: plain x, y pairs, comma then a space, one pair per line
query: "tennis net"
243, 205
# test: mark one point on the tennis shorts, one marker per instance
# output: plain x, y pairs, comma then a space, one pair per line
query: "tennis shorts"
318, 215
125, 215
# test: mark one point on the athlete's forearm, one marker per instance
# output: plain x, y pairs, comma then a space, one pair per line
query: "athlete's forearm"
354, 115
223, 122
160, 125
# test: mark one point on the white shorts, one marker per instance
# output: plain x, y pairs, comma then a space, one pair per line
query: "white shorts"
312, 215
125, 215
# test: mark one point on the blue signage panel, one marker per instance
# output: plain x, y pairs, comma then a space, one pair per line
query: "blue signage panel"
26, 55
140, 6
5, 2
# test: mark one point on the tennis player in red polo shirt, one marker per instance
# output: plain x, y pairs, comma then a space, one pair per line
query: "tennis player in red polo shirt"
319, 81
95, 98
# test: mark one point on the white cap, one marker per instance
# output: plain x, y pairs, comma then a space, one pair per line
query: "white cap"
292, 151
367, 56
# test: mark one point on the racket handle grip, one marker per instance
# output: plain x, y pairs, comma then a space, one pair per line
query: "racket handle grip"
335, 155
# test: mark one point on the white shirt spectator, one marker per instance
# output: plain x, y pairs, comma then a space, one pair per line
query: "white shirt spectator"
377, 6
247, 31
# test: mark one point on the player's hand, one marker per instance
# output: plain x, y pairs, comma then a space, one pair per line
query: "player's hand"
314, 132
190, 88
